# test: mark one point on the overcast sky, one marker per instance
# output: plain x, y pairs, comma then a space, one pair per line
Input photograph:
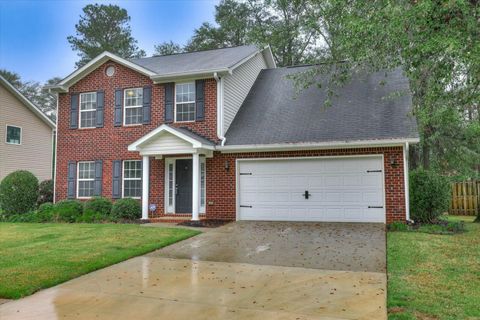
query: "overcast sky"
33, 34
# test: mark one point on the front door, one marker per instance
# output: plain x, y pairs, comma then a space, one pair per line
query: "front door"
183, 187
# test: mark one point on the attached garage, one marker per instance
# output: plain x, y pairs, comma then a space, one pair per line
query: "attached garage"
336, 189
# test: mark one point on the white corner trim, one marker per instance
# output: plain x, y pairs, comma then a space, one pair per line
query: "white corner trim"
27, 102
320, 145
268, 56
406, 184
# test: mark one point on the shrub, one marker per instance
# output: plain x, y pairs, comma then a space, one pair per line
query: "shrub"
398, 226
45, 192
68, 210
18, 192
126, 209
429, 196
96, 209
45, 212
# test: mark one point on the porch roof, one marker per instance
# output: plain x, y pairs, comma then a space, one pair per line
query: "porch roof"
166, 140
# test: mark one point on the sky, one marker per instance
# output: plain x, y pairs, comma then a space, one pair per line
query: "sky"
33, 34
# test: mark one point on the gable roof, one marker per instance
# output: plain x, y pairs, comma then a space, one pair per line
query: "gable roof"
361, 110
27, 102
163, 68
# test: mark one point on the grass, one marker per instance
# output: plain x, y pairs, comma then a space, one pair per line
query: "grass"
434, 276
34, 256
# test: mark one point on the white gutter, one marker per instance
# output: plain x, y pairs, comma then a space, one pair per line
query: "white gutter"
405, 176
220, 108
318, 145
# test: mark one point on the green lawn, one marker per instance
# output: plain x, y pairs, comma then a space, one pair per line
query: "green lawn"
434, 276
36, 256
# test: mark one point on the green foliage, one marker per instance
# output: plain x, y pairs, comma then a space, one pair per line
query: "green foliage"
126, 209
443, 227
397, 226
103, 28
68, 210
45, 192
429, 195
96, 209
18, 192
167, 48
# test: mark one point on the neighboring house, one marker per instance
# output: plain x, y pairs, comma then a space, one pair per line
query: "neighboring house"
26, 135
222, 134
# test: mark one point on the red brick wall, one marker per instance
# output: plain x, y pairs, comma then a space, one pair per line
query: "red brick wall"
110, 143
221, 183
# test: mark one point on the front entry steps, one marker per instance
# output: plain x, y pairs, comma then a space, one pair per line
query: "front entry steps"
174, 218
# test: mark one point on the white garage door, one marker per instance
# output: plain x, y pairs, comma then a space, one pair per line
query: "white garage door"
317, 189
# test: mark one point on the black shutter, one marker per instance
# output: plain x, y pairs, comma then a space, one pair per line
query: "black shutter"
118, 107
200, 100
72, 179
74, 111
100, 108
98, 178
147, 104
117, 179
169, 92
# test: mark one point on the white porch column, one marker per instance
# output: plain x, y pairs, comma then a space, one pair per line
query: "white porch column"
195, 186
145, 188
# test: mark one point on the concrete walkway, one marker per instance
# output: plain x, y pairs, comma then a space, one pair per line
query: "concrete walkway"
163, 286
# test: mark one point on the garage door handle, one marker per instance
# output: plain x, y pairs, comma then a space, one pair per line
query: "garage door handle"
375, 207
245, 206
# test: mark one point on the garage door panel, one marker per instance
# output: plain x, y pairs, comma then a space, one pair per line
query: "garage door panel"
340, 189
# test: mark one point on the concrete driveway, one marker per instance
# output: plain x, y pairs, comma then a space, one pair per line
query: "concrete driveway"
254, 270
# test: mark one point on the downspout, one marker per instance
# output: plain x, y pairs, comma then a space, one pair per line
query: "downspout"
405, 175
219, 108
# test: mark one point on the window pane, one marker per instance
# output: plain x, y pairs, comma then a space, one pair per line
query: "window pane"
87, 119
13, 135
133, 115
134, 97
86, 170
85, 188
88, 101
133, 188
133, 169
185, 92
202, 184
170, 184
186, 112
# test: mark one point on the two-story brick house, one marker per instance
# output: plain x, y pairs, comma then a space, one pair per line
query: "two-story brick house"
224, 134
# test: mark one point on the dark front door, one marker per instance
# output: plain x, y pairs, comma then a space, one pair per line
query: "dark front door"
183, 179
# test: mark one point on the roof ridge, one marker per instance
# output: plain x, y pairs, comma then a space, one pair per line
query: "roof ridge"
179, 53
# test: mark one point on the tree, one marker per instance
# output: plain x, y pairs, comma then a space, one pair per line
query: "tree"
166, 48
103, 28
434, 44
12, 77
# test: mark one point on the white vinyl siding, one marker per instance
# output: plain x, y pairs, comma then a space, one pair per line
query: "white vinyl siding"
36, 139
132, 179
88, 109
237, 85
85, 179
133, 106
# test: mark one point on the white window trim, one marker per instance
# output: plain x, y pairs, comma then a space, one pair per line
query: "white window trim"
129, 179
171, 209
6, 135
80, 109
194, 102
78, 178
125, 107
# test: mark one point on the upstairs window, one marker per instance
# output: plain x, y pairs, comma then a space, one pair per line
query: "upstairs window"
133, 106
86, 179
88, 109
14, 135
185, 102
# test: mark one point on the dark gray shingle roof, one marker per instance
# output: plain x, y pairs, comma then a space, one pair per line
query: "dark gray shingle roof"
362, 109
197, 61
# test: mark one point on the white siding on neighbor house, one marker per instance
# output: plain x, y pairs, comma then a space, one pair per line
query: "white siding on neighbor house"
237, 85
35, 153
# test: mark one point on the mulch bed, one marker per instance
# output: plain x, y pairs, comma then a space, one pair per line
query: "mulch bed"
203, 223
